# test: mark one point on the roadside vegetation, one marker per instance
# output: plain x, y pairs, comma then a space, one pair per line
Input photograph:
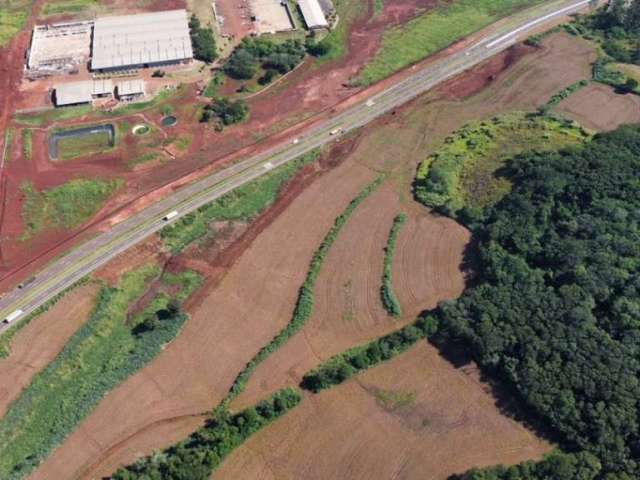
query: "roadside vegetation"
467, 172
199, 455
13, 18
355, 360
306, 296
66, 206
389, 299
617, 31
113, 344
433, 31
553, 311
242, 204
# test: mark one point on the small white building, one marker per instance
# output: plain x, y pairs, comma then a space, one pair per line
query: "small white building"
313, 14
130, 89
75, 93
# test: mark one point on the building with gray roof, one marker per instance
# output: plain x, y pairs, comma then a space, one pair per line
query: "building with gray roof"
313, 14
143, 40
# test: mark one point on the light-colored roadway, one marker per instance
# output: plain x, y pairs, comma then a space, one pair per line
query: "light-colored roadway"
87, 257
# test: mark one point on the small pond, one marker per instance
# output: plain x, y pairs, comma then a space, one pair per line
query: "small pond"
169, 121
55, 137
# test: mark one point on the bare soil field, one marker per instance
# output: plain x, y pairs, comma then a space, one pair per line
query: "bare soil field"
39, 342
254, 297
430, 422
599, 107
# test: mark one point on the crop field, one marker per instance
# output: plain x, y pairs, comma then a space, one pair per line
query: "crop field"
254, 299
65, 206
433, 31
430, 422
111, 345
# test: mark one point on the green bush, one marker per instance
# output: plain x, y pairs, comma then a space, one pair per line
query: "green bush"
389, 299
199, 455
226, 111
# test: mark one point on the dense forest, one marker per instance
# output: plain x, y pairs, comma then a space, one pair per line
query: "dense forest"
556, 310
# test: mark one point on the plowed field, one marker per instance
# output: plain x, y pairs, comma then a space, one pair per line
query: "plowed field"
415, 417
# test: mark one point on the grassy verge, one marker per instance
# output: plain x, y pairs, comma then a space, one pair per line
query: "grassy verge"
7, 152
7, 337
13, 18
465, 172
389, 299
67, 7
305, 302
433, 31
106, 350
38, 119
80, 146
243, 204
355, 360
66, 206
199, 455
27, 143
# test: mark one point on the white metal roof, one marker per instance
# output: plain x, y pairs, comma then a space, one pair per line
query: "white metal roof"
82, 92
131, 87
123, 41
312, 13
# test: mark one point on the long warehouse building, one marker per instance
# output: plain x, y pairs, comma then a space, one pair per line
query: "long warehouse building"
139, 41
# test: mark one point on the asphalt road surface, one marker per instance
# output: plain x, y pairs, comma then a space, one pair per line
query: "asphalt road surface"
94, 253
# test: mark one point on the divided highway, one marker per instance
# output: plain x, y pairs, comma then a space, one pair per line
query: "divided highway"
94, 253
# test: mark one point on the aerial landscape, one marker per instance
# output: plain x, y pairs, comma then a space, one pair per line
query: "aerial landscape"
320, 239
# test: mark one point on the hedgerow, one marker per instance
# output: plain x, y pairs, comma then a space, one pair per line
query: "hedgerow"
305, 302
344, 365
389, 299
199, 455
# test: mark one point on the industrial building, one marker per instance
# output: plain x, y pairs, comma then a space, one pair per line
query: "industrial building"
58, 48
143, 40
75, 93
129, 90
313, 14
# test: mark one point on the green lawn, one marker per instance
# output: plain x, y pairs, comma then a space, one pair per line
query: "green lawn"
66, 7
27, 143
433, 31
74, 147
65, 206
465, 171
112, 345
13, 17
38, 119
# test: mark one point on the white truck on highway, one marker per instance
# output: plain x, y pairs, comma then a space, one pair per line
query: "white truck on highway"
335, 131
12, 316
170, 215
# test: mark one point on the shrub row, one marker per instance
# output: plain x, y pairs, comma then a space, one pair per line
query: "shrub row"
344, 365
305, 302
562, 95
196, 457
389, 299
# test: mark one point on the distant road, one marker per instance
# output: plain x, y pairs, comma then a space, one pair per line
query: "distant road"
87, 257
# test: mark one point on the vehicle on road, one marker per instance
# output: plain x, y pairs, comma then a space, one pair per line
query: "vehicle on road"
12, 316
170, 215
335, 131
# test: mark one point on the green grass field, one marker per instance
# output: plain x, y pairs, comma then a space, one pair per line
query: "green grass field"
433, 31
74, 147
39, 119
66, 206
465, 171
242, 204
13, 17
67, 7
112, 345
27, 143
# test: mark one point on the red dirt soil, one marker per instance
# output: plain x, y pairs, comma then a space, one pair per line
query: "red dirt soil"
444, 422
